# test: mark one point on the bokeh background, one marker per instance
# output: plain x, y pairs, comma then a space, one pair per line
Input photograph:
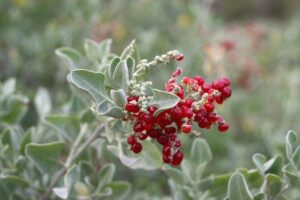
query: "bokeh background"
255, 43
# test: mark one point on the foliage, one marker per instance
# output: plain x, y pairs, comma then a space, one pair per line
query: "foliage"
58, 139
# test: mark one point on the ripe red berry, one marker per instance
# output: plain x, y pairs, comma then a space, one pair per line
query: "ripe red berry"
163, 139
153, 133
226, 81
177, 158
166, 150
136, 147
138, 126
166, 159
143, 136
226, 92
186, 128
170, 130
218, 85
187, 112
209, 107
132, 108
223, 127
131, 140
199, 80
179, 57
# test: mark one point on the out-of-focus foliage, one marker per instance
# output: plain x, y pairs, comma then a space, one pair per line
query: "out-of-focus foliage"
260, 55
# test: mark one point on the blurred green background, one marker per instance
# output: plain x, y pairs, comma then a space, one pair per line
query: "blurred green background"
255, 43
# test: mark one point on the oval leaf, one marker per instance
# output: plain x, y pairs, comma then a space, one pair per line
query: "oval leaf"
200, 152
118, 97
45, 156
121, 75
163, 100
238, 188
91, 82
289, 143
107, 108
71, 56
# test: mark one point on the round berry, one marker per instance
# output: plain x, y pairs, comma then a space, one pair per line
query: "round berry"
162, 139
166, 159
131, 140
143, 136
132, 108
179, 57
209, 107
136, 147
170, 130
186, 128
223, 127
153, 133
138, 126
166, 150
226, 92
226, 81
218, 85
199, 80
177, 158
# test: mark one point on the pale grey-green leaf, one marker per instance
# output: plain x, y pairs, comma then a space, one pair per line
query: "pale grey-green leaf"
108, 108
238, 188
121, 75
106, 175
289, 142
163, 100
71, 56
118, 97
45, 156
200, 152
112, 66
91, 82
259, 160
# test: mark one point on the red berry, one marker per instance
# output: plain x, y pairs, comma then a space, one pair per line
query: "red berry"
136, 147
132, 108
187, 112
131, 140
226, 81
199, 80
166, 150
170, 130
226, 92
163, 139
223, 127
138, 127
143, 136
179, 57
219, 99
178, 143
218, 85
153, 133
186, 80
132, 98
209, 107
176, 113
188, 102
166, 159
206, 87
177, 158
186, 128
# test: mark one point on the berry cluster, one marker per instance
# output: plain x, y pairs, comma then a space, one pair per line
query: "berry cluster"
196, 106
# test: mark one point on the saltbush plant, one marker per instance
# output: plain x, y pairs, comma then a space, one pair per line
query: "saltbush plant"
65, 155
